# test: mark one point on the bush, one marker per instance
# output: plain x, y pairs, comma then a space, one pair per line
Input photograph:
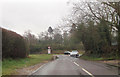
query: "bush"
13, 45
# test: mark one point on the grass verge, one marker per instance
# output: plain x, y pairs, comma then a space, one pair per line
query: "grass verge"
9, 66
96, 58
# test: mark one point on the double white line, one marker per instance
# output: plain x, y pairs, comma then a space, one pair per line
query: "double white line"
84, 69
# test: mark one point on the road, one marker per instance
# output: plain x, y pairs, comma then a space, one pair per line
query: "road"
66, 65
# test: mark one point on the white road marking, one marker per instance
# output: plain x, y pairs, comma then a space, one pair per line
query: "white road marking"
84, 70
76, 63
87, 72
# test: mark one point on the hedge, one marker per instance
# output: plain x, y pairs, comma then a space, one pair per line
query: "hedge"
13, 45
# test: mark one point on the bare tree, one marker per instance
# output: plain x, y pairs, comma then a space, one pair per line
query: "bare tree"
30, 38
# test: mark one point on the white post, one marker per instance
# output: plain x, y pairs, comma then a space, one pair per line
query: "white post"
49, 50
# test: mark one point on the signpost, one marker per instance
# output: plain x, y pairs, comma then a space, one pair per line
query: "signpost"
49, 50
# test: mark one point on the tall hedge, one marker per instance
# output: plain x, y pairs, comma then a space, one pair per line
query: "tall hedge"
13, 45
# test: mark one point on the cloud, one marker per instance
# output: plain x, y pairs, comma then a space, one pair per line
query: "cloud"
36, 15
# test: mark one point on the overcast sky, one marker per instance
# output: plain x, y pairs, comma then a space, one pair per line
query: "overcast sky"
35, 15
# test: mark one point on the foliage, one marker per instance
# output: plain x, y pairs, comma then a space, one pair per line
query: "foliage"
57, 41
94, 28
13, 45
31, 41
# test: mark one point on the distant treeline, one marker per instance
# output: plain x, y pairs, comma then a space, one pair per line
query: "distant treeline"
42, 48
13, 45
55, 39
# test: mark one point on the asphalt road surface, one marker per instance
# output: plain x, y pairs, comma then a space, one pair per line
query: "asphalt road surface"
66, 65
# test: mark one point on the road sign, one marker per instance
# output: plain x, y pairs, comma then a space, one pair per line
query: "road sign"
48, 47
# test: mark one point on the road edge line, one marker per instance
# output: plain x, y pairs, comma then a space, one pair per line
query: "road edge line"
38, 69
